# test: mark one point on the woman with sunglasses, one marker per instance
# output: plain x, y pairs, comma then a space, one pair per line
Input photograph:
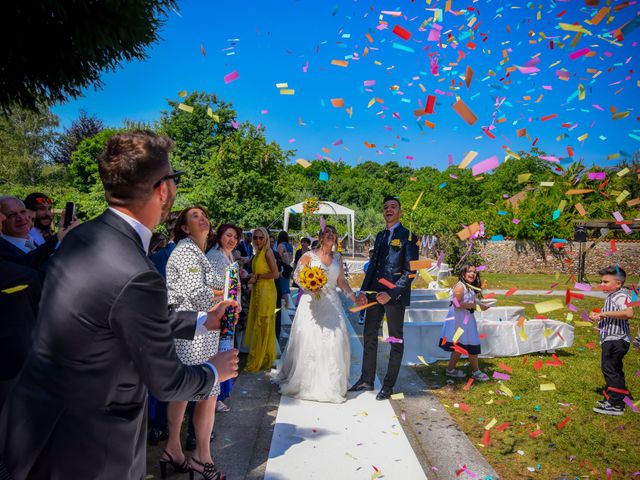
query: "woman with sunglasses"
260, 336
190, 285
315, 365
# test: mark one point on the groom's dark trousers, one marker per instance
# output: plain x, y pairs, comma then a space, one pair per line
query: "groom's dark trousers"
395, 321
392, 254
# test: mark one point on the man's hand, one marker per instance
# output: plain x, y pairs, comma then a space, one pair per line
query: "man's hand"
382, 298
361, 299
483, 306
226, 364
215, 314
594, 316
62, 231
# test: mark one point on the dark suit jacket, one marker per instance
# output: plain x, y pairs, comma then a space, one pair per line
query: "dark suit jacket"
78, 409
394, 266
35, 258
18, 310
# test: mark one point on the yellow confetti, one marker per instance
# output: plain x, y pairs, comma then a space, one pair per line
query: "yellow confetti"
545, 387
622, 172
620, 115
458, 334
426, 276
490, 425
397, 396
620, 198
287, 91
215, 117
415, 205
583, 137
523, 335
547, 184
303, 163
547, 332
442, 295
524, 177
581, 93
548, 306
503, 388
574, 28
15, 289
421, 358
282, 85
183, 93
186, 108
371, 102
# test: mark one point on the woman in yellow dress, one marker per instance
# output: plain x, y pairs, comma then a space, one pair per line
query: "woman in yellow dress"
260, 337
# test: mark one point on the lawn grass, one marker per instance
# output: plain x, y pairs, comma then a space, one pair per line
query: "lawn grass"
535, 281
585, 447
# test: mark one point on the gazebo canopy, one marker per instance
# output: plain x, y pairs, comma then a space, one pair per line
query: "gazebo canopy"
326, 208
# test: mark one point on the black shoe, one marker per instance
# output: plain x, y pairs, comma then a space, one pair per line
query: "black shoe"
361, 386
157, 434
177, 467
190, 444
384, 394
609, 409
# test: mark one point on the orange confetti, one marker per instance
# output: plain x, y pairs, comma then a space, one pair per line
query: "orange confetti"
337, 102
340, 63
465, 112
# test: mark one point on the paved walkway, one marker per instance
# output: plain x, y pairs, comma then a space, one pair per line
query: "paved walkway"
355, 439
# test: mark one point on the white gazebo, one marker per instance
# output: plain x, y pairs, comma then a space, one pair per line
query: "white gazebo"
326, 208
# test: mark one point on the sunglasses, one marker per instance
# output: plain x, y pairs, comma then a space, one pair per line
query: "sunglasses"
175, 176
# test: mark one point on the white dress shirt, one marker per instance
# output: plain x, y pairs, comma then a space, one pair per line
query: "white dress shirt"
19, 242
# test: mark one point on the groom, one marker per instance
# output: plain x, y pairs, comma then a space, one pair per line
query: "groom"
394, 248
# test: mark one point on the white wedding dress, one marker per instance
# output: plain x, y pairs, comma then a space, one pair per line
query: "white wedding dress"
315, 364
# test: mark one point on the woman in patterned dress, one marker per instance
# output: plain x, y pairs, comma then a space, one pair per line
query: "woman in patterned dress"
220, 257
261, 325
190, 282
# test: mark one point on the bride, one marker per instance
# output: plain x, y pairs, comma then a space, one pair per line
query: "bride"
315, 364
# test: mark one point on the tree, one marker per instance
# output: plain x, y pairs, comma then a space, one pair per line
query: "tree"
243, 181
51, 50
197, 133
84, 160
25, 141
83, 127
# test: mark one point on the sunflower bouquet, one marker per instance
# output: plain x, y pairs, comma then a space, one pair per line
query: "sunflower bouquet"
312, 279
310, 206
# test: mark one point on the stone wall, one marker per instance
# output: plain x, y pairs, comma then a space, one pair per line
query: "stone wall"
521, 256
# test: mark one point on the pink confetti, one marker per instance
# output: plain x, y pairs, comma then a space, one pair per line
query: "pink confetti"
264, 112
230, 77
516, 221
501, 376
292, 140
337, 142
393, 340
596, 175
484, 166
578, 53
235, 124
585, 287
369, 83
630, 404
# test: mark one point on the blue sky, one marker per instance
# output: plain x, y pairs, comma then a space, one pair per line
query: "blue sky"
272, 42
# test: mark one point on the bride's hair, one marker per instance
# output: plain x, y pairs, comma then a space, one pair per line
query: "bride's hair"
322, 232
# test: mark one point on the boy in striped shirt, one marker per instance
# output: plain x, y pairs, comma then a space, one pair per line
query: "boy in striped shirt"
615, 338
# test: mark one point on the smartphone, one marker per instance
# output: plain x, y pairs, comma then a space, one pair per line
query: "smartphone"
69, 214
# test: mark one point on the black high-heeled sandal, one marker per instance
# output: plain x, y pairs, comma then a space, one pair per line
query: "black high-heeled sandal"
209, 471
177, 467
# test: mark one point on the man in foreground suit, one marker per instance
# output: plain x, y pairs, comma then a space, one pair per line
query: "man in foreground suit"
78, 408
389, 278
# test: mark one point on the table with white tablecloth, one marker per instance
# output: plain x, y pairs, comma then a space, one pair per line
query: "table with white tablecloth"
498, 338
